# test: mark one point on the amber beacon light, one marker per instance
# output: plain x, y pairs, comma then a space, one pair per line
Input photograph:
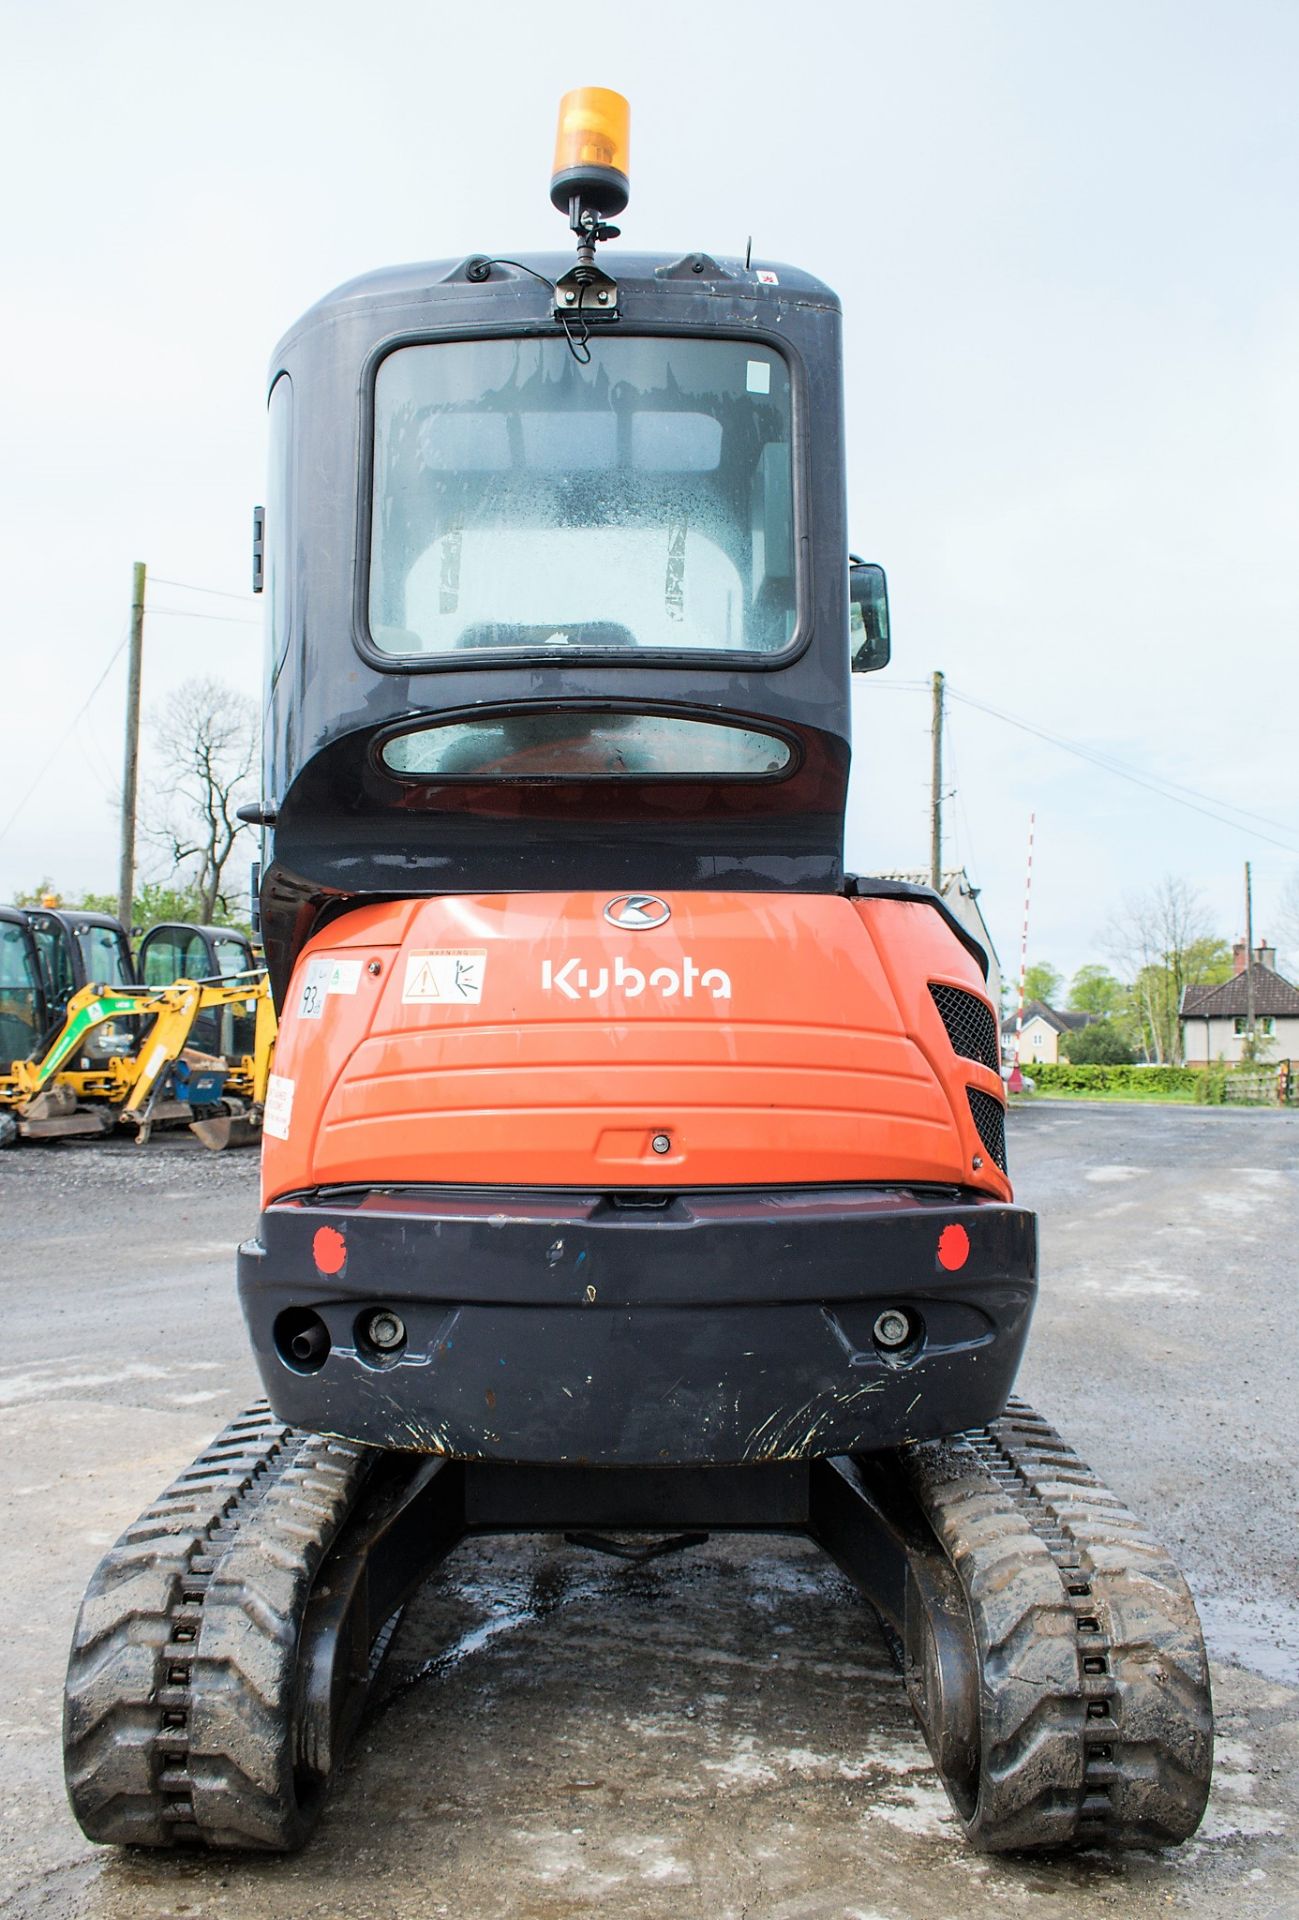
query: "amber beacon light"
591, 149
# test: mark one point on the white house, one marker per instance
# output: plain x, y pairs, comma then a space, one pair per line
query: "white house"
1215, 1020
1040, 1038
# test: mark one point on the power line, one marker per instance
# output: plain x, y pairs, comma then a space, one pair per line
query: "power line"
1116, 765
59, 745
184, 613
219, 593
959, 792
1174, 786
1154, 783
88, 742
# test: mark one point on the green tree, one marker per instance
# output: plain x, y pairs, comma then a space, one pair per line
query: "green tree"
155, 901
1099, 1044
1257, 1048
1095, 990
1042, 982
33, 896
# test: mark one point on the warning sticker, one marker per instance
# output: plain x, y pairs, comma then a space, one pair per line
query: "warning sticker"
278, 1110
759, 376
766, 278
451, 975
323, 977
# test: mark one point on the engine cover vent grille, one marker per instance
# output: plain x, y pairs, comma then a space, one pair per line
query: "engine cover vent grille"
990, 1119
970, 1022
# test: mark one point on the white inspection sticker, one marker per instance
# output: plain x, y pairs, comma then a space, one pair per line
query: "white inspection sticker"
323, 977
278, 1110
759, 376
451, 975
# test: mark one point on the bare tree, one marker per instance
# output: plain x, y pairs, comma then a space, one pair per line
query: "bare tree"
1287, 919
205, 740
1164, 943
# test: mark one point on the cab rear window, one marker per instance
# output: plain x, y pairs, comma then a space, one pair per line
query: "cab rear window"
585, 745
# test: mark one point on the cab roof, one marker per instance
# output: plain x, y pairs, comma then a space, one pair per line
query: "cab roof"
767, 283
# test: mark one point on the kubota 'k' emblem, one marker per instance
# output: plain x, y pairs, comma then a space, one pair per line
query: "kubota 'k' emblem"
637, 911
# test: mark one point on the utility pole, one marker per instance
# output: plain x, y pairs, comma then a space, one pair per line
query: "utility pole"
131, 763
1249, 959
936, 792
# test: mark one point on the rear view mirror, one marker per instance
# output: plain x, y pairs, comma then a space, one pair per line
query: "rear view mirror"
868, 617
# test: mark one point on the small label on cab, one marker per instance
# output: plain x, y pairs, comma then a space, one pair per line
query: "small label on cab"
278, 1110
323, 977
451, 975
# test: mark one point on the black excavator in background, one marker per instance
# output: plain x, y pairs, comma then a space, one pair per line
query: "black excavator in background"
92, 1036
628, 1165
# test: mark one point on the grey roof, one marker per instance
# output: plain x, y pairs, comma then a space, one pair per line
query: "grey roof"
1064, 1022
1273, 997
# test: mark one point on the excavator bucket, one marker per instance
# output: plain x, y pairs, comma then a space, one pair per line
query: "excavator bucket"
53, 1113
229, 1130
51, 1103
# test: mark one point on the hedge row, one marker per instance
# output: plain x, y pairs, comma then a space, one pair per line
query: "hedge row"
1135, 1079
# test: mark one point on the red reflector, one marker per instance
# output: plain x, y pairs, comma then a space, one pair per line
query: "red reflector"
329, 1250
953, 1247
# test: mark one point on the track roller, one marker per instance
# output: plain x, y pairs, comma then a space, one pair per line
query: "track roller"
1051, 1650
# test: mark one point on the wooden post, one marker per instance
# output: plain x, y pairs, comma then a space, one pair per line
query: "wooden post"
1249, 961
131, 762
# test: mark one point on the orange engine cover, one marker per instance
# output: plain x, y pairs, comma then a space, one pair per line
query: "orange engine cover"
522, 1040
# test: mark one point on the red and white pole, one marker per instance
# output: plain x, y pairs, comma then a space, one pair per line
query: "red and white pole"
1016, 1081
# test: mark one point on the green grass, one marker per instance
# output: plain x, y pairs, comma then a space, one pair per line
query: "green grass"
1113, 1098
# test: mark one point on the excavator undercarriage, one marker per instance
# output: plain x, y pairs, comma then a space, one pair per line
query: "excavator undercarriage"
229, 1641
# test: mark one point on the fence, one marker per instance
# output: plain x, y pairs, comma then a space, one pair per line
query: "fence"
1267, 1086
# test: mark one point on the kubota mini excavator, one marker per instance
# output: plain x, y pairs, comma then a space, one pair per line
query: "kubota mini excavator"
628, 1164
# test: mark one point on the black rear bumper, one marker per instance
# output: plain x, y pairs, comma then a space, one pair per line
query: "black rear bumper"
639, 1330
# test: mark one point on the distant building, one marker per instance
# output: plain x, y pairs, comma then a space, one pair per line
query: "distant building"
1040, 1040
1215, 1020
963, 899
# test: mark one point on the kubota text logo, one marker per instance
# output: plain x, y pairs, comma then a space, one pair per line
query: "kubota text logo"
577, 982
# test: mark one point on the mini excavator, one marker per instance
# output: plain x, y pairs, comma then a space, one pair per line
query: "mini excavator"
628, 1166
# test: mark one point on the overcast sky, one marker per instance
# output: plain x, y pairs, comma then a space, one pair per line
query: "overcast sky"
1067, 245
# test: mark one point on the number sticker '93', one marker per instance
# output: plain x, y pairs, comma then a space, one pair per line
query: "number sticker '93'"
324, 977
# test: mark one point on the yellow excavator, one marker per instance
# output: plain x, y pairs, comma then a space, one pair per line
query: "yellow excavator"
157, 1076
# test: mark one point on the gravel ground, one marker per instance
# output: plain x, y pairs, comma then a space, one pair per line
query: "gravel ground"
718, 1734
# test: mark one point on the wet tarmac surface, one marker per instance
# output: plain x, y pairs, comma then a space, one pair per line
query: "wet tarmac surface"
718, 1733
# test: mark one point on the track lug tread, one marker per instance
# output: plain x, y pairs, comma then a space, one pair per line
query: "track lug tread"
178, 1728
1095, 1715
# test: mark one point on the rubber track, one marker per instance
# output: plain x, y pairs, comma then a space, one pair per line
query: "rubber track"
1096, 1724
178, 1714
